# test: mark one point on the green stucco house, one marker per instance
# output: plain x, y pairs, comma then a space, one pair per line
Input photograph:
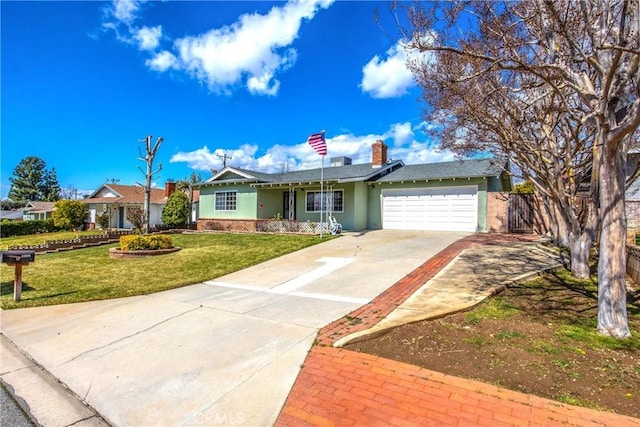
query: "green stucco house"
446, 196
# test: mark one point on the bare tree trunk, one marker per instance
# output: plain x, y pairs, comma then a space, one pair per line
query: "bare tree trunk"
148, 159
612, 292
580, 251
559, 226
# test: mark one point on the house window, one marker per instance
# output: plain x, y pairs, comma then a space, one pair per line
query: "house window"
332, 201
226, 201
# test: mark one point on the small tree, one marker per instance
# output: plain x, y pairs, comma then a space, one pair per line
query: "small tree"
137, 218
187, 186
103, 220
177, 209
70, 214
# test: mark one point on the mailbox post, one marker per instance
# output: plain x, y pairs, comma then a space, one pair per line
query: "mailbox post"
18, 259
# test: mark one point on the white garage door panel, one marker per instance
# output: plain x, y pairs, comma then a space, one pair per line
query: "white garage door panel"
439, 209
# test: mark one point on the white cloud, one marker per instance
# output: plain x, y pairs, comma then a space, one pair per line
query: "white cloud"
402, 133
162, 61
387, 77
125, 10
149, 37
251, 51
263, 85
403, 145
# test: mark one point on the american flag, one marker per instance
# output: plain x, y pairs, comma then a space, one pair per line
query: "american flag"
317, 142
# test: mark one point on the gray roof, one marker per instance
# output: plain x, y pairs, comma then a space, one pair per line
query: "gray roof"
391, 172
11, 215
472, 168
260, 176
346, 173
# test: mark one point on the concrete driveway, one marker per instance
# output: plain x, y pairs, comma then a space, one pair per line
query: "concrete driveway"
223, 352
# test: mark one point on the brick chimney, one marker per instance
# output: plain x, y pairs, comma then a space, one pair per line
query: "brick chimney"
169, 187
379, 154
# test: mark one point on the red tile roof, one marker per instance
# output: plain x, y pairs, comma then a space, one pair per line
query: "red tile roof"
128, 194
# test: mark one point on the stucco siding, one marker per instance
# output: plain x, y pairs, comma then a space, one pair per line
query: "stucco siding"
246, 202
361, 200
270, 203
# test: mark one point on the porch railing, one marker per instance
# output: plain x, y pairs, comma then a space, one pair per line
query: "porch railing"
286, 226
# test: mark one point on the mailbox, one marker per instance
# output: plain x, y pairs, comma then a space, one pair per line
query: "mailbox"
18, 257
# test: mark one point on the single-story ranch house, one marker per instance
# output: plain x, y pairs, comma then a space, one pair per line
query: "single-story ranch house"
115, 200
38, 211
382, 194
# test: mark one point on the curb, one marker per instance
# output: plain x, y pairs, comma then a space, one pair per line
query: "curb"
45, 400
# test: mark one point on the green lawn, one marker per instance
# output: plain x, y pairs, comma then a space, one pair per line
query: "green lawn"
89, 274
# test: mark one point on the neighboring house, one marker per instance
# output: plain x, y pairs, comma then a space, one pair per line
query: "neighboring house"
632, 205
116, 200
13, 215
38, 210
381, 194
632, 194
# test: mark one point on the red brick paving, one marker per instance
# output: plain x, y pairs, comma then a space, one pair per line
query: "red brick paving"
338, 387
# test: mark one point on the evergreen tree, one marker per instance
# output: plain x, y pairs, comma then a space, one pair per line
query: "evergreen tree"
51, 190
186, 186
177, 209
32, 181
27, 180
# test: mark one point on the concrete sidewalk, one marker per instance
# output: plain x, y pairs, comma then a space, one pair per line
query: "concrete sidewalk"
223, 352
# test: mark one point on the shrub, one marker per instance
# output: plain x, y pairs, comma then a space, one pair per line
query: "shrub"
23, 228
525, 187
145, 243
136, 218
177, 210
103, 220
70, 214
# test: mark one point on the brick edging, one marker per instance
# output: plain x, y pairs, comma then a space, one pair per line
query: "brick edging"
377, 309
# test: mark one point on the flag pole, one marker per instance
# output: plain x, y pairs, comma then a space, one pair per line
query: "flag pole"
321, 191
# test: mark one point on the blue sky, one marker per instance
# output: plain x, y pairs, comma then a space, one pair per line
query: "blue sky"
83, 82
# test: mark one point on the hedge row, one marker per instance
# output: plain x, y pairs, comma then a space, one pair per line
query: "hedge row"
22, 228
144, 243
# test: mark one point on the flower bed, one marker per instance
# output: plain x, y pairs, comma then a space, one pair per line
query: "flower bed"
120, 254
137, 246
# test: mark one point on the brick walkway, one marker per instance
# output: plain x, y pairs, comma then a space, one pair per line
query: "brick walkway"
338, 387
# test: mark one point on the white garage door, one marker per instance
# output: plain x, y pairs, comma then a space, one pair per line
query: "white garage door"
438, 209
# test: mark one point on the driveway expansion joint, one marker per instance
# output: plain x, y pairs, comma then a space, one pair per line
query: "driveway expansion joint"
124, 338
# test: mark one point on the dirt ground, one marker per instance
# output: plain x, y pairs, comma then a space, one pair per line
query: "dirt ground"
538, 338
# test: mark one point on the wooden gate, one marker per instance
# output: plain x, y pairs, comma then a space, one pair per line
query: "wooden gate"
520, 213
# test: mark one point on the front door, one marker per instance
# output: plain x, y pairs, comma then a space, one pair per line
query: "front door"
289, 205
121, 217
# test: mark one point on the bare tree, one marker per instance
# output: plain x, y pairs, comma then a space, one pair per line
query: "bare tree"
148, 159
586, 55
